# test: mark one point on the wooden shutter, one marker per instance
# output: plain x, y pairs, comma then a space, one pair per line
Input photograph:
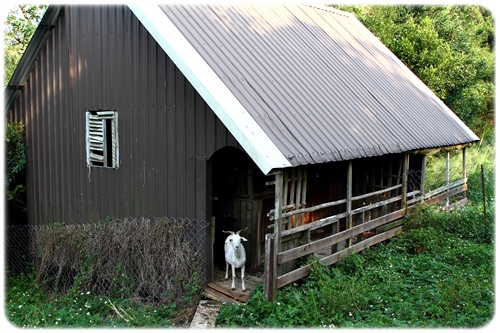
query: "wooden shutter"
102, 127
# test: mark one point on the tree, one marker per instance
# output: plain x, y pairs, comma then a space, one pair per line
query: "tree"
19, 27
450, 48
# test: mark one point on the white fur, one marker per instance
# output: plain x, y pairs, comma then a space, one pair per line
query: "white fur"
235, 256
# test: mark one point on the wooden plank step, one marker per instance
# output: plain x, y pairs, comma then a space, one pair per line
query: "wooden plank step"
219, 297
228, 292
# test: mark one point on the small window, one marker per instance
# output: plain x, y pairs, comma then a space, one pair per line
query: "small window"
102, 138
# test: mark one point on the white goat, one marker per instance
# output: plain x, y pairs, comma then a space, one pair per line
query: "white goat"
235, 255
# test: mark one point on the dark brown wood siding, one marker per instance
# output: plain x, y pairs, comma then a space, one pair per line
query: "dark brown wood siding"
103, 58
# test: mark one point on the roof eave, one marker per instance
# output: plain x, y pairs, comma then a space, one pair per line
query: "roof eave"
30, 55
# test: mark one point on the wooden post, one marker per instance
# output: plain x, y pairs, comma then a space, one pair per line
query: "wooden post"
464, 170
422, 177
447, 176
406, 169
259, 240
349, 199
278, 206
304, 191
269, 269
212, 278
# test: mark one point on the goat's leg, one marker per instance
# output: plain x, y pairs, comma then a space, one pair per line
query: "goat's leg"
234, 277
227, 268
243, 278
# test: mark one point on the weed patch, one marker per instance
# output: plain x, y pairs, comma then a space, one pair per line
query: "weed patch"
28, 307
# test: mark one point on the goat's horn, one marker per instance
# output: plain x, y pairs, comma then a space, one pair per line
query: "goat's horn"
228, 232
238, 232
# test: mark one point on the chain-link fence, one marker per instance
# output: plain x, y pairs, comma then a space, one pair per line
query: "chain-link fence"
435, 176
150, 258
441, 170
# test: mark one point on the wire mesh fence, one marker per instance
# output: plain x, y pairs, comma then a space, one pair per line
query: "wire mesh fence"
443, 170
151, 258
437, 165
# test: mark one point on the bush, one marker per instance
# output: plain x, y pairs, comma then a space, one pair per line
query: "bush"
16, 165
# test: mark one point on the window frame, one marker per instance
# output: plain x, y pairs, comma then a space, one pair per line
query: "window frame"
101, 137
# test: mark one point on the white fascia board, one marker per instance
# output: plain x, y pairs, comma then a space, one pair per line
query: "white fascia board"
217, 95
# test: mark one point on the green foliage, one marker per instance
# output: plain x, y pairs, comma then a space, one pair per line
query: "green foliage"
450, 48
19, 27
436, 274
16, 163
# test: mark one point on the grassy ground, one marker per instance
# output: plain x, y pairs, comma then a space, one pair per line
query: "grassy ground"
27, 306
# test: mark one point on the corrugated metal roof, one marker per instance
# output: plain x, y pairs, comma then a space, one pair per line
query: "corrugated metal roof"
294, 84
319, 84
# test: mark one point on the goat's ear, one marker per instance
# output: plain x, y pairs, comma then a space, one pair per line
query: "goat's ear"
243, 239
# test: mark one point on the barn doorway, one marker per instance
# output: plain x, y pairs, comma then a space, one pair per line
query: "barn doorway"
238, 192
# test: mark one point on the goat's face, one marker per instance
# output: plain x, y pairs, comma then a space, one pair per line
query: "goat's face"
234, 239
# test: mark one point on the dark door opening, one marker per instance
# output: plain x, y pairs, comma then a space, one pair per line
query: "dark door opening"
236, 206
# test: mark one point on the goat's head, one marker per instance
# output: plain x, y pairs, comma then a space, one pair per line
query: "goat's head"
234, 238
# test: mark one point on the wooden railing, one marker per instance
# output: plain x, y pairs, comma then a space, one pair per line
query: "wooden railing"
385, 227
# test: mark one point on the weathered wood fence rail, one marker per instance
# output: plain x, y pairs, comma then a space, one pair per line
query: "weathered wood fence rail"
381, 225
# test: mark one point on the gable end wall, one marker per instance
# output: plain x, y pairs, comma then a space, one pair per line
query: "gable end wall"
103, 58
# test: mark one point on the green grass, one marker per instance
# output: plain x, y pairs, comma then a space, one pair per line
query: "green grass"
26, 306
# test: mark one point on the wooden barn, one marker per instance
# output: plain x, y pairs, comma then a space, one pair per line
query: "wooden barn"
292, 120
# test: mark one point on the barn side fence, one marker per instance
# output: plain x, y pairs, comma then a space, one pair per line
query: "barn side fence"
153, 259
367, 219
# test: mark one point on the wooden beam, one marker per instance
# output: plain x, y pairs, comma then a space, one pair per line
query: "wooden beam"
445, 188
278, 203
375, 205
314, 225
312, 247
308, 209
446, 195
349, 198
464, 169
406, 169
376, 192
333, 258
422, 176
447, 175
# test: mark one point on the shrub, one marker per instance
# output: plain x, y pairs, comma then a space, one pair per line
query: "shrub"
16, 164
